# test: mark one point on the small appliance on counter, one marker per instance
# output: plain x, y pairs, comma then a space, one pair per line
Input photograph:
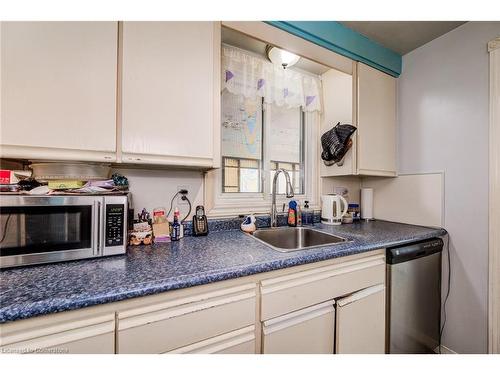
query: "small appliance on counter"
200, 222
54, 228
332, 210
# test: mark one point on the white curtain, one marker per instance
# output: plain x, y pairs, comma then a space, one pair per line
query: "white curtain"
250, 76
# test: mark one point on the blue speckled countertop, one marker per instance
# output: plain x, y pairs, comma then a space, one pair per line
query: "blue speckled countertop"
37, 290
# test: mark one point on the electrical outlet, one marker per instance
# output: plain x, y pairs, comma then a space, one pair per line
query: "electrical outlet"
180, 202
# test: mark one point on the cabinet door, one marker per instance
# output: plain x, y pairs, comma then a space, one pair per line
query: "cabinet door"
168, 85
241, 341
307, 331
360, 322
376, 138
173, 324
58, 90
284, 294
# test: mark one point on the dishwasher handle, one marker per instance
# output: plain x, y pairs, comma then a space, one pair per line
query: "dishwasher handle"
404, 253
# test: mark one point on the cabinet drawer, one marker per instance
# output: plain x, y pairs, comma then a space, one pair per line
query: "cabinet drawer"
307, 331
241, 341
292, 292
85, 336
166, 326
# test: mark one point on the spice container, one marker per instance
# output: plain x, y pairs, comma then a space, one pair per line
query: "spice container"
354, 210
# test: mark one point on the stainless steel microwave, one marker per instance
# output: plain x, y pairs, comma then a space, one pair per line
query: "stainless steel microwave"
45, 229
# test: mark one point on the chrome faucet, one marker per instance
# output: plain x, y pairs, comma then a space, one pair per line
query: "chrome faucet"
289, 194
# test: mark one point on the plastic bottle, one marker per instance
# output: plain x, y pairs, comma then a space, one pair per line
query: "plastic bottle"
292, 214
298, 214
307, 214
176, 227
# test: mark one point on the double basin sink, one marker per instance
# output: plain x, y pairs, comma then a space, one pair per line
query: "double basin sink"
288, 239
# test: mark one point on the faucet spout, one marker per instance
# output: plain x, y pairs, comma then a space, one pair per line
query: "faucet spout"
289, 194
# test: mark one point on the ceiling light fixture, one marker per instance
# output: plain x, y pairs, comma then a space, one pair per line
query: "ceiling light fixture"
281, 57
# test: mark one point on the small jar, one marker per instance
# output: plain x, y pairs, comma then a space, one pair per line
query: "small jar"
354, 210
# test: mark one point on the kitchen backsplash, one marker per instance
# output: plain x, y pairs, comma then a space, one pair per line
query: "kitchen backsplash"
155, 188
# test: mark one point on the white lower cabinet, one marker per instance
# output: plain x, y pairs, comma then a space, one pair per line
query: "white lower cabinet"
169, 325
306, 331
71, 333
336, 306
241, 341
360, 323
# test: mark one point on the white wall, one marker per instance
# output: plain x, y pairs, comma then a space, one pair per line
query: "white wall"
155, 188
443, 126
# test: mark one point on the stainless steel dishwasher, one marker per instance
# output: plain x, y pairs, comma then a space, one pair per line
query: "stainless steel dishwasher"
413, 311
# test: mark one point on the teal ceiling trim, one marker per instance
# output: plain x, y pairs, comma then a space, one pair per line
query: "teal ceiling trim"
338, 38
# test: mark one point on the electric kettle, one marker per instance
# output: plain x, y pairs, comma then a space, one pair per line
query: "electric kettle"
331, 209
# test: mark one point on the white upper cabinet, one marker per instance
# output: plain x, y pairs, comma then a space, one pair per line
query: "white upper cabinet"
367, 100
58, 90
170, 90
376, 122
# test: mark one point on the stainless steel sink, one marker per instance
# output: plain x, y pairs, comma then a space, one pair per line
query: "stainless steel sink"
295, 238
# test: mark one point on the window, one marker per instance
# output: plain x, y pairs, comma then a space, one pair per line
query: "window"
270, 119
243, 129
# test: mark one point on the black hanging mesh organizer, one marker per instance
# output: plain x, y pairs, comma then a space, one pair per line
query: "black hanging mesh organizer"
336, 142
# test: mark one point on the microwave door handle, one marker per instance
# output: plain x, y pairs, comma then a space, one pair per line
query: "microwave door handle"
97, 228
102, 227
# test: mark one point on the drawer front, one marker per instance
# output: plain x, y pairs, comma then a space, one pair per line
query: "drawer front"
293, 292
86, 336
101, 344
307, 331
241, 341
163, 327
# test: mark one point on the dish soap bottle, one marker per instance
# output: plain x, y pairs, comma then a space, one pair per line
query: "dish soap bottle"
307, 214
176, 227
292, 214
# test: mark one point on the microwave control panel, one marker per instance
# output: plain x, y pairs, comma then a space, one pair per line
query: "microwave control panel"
115, 215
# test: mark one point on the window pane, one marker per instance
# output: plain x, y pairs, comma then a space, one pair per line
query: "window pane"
241, 143
286, 166
249, 180
295, 176
228, 162
285, 134
286, 137
231, 176
241, 126
249, 163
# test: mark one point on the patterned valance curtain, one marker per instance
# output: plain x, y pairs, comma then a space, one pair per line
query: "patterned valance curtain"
250, 76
